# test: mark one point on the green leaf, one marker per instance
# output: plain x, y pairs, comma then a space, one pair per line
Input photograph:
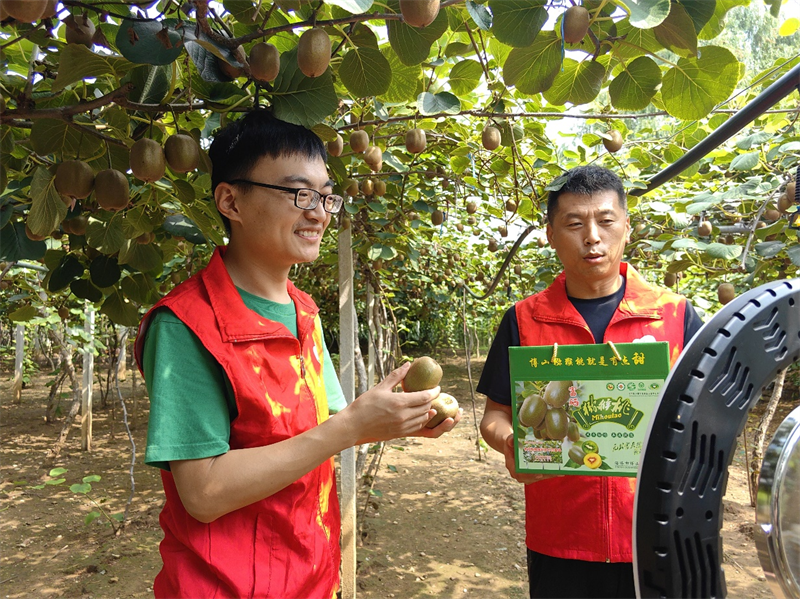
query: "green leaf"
105, 237
634, 42
365, 72
82, 488
517, 22
392, 468
533, 69
299, 99
57, 472
677, 32
412, 44
745, 162
83, 289
120, 310
180, 225
716, 23
52, 136
403, 86
23, 314
16, 245
91, 517
577, 83
480, 15
92, 478
443, 102
769, 249
756, 139
140, 288
69, 269
56, 481
142, 257
151, 83
700, 13
696, 85
77, 62
635, 86
135, 222
794, 254
47, 208
465, 76
150, 42
724, 252
352, 6
646, 14
104, 271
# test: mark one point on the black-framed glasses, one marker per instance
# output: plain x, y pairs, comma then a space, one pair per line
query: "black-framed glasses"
305, 199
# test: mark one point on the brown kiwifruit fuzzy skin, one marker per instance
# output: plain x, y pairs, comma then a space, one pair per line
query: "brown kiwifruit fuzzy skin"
367, 187
437, 217
79, 30
446, 406
416, 140
425, 373
336, 146
33, 236
670, 279
182, 153
147, 160
576, 24
614, 144
265, 62
314, 52
705, 228
111, 190
74, 179
725, 293
419, 13
490, 138
359, 141
25, 11
380, 188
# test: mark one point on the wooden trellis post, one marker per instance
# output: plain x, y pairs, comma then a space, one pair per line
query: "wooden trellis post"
88, 377
19, 343
373, 333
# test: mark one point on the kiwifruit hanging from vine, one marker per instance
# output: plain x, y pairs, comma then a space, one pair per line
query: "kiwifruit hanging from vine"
437, 217
373, 156
147, 160
79, 30
416, 140
511, 206
182, 153
705, 228
336, 146
50, 9
725, 293
517, 269
576, 24
419, 13
472, 207
313, 52
33, 236
111, 190
670, 279
25, 11
359, 141
351, 187
490, 138
74, 179
77, 225
367, 187
265, 62
614, 141
380, 188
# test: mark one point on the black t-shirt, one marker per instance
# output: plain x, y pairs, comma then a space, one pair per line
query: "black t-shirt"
496, 381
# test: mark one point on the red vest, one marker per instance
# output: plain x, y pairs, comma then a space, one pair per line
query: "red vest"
286, 545
586, 517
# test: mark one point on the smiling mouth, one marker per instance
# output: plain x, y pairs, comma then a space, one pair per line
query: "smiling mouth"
308, 234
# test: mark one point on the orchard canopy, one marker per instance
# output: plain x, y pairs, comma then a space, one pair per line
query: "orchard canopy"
436, 198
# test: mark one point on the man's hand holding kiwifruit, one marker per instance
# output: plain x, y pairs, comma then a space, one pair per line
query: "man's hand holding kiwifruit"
425, 373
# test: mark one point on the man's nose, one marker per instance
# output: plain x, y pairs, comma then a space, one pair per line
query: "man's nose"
318, 213
592, 234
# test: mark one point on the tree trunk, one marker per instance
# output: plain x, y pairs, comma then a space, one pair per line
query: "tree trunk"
88, 381
19, 343
52, 400
122, 353
66, 362
760, 436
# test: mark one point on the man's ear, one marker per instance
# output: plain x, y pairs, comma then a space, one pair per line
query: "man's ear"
227, 199
627, 230
548, 232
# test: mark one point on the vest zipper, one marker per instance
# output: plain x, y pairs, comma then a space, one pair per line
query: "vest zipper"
302, 366
607, 517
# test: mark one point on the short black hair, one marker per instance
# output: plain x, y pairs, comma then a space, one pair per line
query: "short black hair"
240, 145
585, 180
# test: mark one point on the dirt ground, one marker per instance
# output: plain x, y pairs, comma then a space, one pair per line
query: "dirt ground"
441, 521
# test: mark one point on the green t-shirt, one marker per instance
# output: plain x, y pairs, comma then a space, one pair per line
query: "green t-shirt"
191, 399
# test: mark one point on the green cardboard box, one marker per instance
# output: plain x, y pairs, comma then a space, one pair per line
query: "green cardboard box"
584, 409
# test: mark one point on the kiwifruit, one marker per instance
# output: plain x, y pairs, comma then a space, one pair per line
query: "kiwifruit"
437, 218
472, 207
145, 238
573, 433
492, 245
182, 153
77, 225
517, 269
446, 406
725, 293
314, 52
613, 143
74, 179
367, 187
416, 140
472, 221
670, 279
147, 160
772, 214
556, 393
63, 313
25, 11
111, 189
791, 190
705, 228
50, 9
232, 71
79, 30
491, 138
460, 227
532, 411
511, 206
576, 24
576, 454
351, 187
425, 373
359, 141
33, 236
556, 423
502, 230
265, 62
380, 188
419, 13
336, 146
373, 156
639, 228
541, 242
785, 202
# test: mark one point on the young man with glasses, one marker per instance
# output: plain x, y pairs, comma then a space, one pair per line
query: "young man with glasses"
240, 379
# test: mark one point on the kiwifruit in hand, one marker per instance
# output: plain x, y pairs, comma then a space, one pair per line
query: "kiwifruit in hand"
25, 11
79, 30
437, 218
532, 411
725, 293
576, 24
419, 13
265, 62
670, 279
147, 160
74, 179
416, 140
704, 229
490, 138
380, 188
367, 187
614, 141
425, 373
314, 52
359, 141
556, 393
336, 146
111, 189
182, 153
446, 406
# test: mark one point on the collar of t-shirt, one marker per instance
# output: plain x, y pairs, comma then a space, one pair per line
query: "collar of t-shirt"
286, 314
597, 312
